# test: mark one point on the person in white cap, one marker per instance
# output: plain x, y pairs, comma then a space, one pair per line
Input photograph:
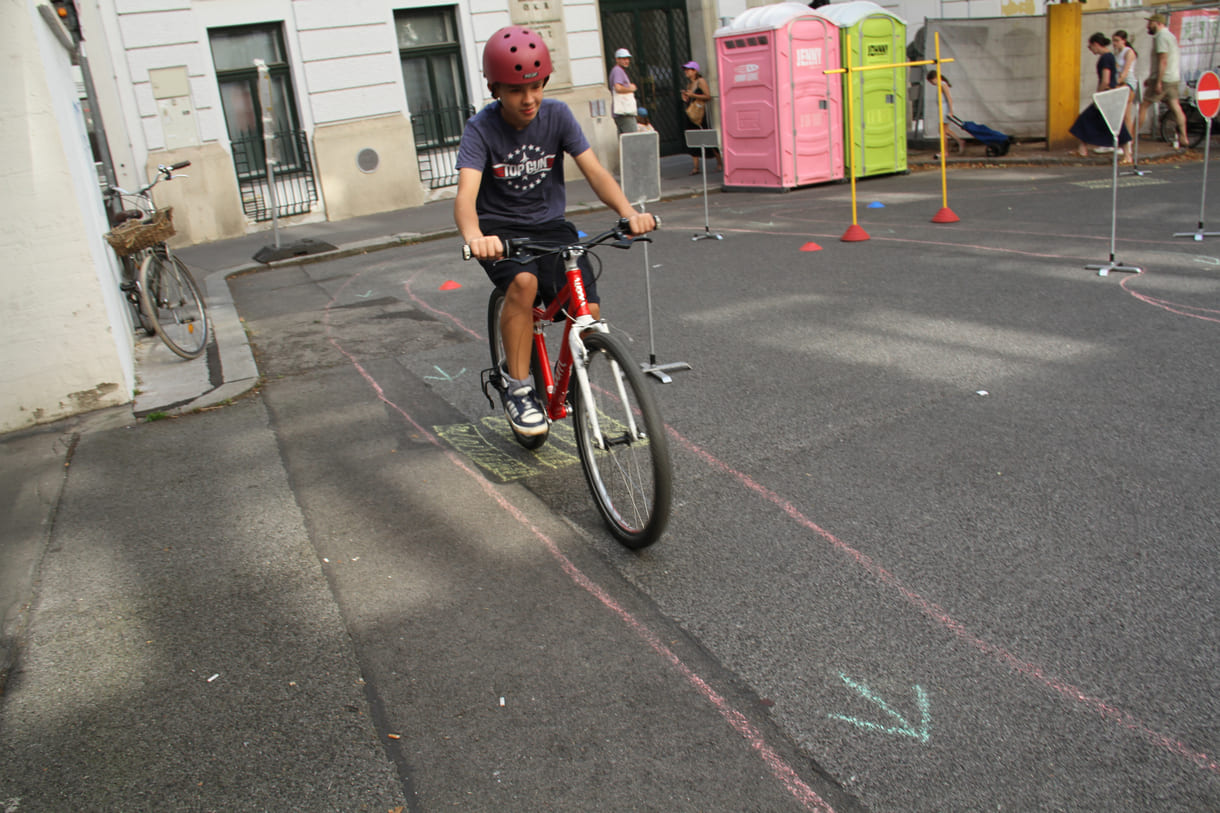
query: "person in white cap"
622, 102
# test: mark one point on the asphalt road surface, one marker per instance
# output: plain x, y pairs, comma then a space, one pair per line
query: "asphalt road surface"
945, 500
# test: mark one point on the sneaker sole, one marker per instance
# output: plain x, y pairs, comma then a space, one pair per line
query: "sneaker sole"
529, 431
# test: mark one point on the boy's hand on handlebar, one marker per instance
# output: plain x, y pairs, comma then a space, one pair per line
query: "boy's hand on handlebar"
641, 223
487, 247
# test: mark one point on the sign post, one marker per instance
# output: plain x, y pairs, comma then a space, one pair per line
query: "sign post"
1113, 104
271, 152
703, 140
269, 155
640, 159
1207, 98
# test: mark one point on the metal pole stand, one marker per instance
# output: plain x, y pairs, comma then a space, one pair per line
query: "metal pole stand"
1135, 169
1112, 104
703, 139
1104, 270
1199, 234
659, 371
277, 251
640, 162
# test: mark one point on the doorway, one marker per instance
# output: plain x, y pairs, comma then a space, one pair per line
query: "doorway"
656, 34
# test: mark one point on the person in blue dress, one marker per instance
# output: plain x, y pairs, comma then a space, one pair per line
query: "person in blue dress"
1090, 126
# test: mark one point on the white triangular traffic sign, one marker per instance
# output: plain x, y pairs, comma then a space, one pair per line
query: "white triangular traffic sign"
1112, 104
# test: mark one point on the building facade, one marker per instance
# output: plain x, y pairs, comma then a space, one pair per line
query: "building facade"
359, 106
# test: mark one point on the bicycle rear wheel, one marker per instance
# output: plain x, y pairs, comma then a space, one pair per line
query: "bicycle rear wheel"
495, 307
629, 470
170, 297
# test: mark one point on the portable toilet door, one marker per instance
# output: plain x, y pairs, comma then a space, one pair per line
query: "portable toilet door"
878, 97
781, 113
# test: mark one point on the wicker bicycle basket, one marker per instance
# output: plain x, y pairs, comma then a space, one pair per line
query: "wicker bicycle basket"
136, 235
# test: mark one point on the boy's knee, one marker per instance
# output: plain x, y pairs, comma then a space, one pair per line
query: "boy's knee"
523, 287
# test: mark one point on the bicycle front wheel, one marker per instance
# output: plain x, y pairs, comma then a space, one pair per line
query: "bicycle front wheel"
170, 297
627, 467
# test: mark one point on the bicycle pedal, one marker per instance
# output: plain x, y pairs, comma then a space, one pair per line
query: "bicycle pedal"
491, 378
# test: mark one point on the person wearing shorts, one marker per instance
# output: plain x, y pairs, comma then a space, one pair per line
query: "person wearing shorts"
1164, 76
510, 184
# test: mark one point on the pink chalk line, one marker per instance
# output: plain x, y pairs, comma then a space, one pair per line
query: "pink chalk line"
1190, 311
779, 768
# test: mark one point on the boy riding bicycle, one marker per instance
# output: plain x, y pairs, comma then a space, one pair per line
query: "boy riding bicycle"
510, 184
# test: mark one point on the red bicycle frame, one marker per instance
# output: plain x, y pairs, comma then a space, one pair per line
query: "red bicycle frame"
579, 316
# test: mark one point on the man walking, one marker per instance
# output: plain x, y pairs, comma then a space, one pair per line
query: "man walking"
1164, 76
622, 104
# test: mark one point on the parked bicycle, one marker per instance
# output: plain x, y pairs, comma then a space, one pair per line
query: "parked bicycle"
619, 432
164, 298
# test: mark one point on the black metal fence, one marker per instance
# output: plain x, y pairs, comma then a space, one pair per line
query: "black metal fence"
437, 134
296, 190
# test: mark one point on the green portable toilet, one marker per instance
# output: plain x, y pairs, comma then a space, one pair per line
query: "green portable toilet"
878, 98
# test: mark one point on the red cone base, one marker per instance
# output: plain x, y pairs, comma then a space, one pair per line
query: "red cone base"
945, 215
811, 246
854, 234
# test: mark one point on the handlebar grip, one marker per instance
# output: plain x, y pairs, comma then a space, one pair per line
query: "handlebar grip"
180, 165
508, 244
658, 219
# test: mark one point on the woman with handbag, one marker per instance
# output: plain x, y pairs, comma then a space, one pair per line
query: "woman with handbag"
696, 97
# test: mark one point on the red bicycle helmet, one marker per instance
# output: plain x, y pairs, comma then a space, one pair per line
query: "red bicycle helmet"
516, 56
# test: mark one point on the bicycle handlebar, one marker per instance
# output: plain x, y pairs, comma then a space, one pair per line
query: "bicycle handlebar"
514, 245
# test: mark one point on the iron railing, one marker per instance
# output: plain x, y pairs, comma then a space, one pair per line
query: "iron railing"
296, 190
437, 134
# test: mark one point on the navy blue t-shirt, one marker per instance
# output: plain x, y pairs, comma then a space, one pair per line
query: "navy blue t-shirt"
522, 169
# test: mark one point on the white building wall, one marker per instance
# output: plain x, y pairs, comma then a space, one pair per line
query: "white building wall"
65, 343
349, 60
346, 73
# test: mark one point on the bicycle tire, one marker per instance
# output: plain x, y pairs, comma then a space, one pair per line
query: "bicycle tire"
131, 290
172, 300
1196, 126
631, 478
495, 306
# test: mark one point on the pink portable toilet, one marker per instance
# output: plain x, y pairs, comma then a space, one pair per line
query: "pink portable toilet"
780, 112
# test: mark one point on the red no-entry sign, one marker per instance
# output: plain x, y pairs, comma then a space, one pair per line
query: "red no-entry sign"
1207, 94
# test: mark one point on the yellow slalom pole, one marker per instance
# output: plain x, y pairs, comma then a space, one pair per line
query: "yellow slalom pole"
945, 215
855, 233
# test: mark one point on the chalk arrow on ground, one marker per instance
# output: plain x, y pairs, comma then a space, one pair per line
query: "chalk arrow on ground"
901, 725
